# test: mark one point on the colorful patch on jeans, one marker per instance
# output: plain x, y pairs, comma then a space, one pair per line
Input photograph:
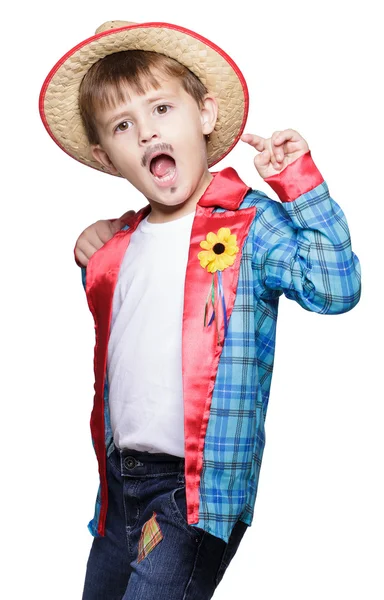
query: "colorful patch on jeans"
150, 536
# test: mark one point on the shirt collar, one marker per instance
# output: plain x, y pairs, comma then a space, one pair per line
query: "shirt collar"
226, 190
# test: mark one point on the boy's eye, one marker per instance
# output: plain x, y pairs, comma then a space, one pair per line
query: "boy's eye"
123, 126
162, 109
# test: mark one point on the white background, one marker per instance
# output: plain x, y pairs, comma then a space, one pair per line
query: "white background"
318, 526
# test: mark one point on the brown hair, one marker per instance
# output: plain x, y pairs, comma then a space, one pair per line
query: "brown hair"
102, 86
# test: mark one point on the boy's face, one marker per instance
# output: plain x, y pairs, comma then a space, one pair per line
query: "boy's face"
156, 141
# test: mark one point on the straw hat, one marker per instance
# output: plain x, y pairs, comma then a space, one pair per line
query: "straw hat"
58, 102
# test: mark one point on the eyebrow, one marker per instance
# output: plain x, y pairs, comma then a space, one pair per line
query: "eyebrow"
116, 117
163, 97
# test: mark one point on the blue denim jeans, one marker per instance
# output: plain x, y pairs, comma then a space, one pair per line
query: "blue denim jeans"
181, 561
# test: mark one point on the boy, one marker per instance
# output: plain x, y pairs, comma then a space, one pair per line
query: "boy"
185, 295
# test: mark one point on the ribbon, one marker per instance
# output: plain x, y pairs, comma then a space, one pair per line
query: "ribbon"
216, 297
222, 297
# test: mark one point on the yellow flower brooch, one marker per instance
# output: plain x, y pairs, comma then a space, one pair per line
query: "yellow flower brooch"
219, 250
219, 253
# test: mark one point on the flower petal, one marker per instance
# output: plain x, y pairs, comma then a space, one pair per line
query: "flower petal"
205, 257
212, 238
223, 234
204, 262
221, 264
230, 260
212, 267
206, 245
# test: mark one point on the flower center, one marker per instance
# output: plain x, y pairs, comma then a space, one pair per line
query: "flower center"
218, 248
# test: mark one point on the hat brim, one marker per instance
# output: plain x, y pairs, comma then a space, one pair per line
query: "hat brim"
58, 103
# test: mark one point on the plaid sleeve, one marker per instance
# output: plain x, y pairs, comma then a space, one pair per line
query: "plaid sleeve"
302, 248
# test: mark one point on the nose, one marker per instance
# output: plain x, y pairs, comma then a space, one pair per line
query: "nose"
146, 132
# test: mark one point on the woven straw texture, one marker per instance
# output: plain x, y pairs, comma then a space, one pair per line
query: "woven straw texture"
59, 97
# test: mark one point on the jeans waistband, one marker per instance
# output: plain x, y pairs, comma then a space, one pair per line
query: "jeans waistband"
136, 463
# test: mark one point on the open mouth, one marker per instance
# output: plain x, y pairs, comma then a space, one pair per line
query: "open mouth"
163, 168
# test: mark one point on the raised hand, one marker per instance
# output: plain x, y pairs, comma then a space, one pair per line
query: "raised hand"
96, 235
276, 152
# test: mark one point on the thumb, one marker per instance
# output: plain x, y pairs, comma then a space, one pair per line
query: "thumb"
262, 159
117, 224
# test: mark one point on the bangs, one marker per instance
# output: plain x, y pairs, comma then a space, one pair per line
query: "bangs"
109, 92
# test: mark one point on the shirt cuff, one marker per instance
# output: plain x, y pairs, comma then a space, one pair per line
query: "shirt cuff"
296, 179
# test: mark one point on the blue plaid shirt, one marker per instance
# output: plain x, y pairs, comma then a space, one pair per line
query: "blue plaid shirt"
301, 249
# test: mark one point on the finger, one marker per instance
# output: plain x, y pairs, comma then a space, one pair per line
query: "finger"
91, 235
97, 239
83, 260
288, 135
87, 248
288, 147
281, 143
100, 233
256, 141
116, 225
125, 219
127, 215
277, 152
271, 153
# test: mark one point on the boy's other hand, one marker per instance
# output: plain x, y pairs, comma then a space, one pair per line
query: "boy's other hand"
96, 235
276, 152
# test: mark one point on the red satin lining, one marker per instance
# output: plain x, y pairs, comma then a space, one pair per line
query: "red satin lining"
298, 178
102, 274
201, 353
225, 190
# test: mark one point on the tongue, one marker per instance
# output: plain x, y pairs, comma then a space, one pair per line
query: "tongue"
162, 165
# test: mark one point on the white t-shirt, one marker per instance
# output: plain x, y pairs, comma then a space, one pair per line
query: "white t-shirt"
144, 351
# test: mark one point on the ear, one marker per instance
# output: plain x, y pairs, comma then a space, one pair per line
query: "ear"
102, 157
208, 114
